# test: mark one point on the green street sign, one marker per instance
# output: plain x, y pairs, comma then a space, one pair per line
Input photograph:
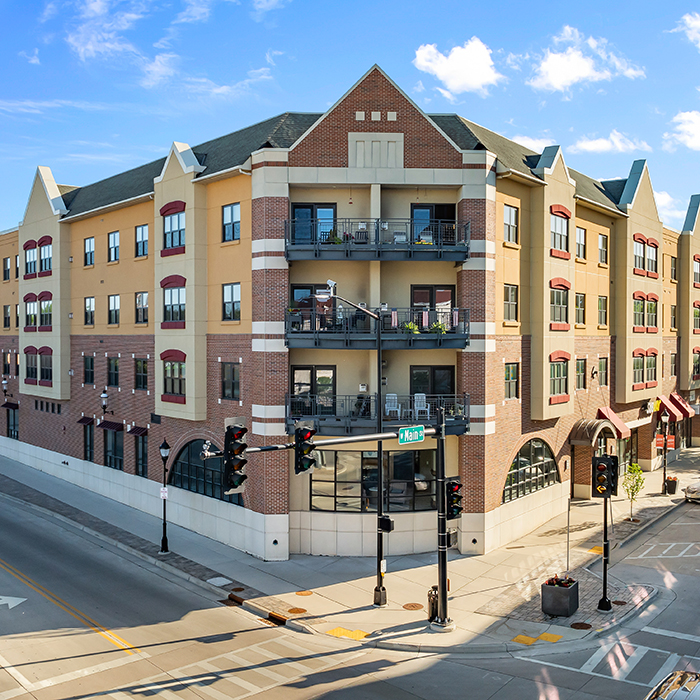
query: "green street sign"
414, 433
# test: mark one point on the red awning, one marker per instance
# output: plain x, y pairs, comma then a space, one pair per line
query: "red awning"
110, 425
673, 412
685, 408
622, 430
138, 431
86, 420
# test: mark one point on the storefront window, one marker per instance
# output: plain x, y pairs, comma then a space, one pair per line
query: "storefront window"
532, 469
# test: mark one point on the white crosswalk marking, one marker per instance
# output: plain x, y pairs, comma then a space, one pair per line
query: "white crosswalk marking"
664, 551
669, 665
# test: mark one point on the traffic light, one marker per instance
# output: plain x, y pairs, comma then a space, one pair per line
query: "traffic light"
303, 447
454, 499
605, 470
234, 458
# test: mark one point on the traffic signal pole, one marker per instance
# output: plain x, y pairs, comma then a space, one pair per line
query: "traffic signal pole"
442, 622
604, 605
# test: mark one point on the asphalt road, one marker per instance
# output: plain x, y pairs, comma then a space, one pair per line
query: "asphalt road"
79, 619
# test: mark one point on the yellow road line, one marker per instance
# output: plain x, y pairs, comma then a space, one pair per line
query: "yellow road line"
70, 609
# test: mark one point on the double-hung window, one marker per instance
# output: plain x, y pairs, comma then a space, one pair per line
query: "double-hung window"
174, 378
510, 223
32, 309
696, 318
558, 378
174, 230
6, 317
30, 261
112, 371
142, 241
113, 246
602, 249
88, 369
141, 307
30, 365
46, 368
511, 380
45, 258
637, 370
174, 304
89, 251
652, 318
603, 371
674, 268
580, 373
510, 302
639, 255
560, 232
674, 317
651, 368
45, 312
559, 305
114, 449
602, 311
674, 359
580, 308
696, 271
581, 243
141, 449
5, 269
231, 215
113, 309
89, 311
638, 312
230, 380
231, 310
140, 374
652, 258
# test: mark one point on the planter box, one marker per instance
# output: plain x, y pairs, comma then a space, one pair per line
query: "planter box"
671, 486
559, 601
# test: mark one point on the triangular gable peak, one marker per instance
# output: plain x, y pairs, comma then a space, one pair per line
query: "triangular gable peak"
405, 136
639, 180
692, 217
185, 156
548, 163
53, 194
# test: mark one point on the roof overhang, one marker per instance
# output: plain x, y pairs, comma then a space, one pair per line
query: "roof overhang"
585, 432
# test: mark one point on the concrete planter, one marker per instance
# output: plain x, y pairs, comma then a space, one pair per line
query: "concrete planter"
671, 486
559, 601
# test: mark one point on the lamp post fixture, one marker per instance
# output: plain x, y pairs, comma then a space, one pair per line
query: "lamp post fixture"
379, 589
4, 388
104, 398
164, 453
664, 419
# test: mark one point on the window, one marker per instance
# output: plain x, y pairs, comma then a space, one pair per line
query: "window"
674, 369
637, 370
30, 261
559, 305
638, 312
432, 380
560, 232
580, 374
32, 308
16, 364
13, 423
651, 368
639, 255
114, 449
174, 378
581, 243
6, 363
581, 308
532, 469
652, 258
602, 311
6, 317
16, 266
89, 311
141, 241
140, 374
602, 248
5, 269
141, 451
696, 271
510, 303
674, 319
46, 368
511, 387
174, 304
174, 230
45, 257
88, 369
603, 371
651, 314
89, 247
696, 364
16, 315
231, 222
231, 310
89, 443
45, 312
674, 268
230, 380
30, 361
696, 318
510, 223
113, 309
112, 371
113, 246
141, 307
558, 378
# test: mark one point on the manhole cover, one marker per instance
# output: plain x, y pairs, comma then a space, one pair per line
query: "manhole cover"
413, 606
619, 602
305, 592
580, 626
238, 590
296, 611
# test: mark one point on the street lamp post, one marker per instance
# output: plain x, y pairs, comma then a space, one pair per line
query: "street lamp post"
164, 453
664, 419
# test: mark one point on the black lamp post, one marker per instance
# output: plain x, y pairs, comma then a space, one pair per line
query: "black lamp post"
104, 398
164, 453
664, 419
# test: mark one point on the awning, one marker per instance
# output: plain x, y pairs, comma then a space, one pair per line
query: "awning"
110, 425
685, 408
86, 420
673, 412
585, 432
138, 431
620, 428
10, 404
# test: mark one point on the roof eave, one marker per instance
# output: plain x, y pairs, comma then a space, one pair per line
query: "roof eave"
108, 207
602, 207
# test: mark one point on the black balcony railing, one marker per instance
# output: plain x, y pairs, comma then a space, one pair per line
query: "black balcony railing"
408, 327
335, 414
377, 238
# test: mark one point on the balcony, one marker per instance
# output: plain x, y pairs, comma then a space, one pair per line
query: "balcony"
401, 328
357, 414
376, 239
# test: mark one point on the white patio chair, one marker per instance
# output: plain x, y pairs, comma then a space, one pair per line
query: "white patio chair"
421, 406
392, 405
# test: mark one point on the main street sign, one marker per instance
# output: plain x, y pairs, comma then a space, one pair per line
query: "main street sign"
414, 433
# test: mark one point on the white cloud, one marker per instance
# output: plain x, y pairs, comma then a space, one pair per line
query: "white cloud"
687, 131
195, 11
33, 58
43, 106
419, 87
50, 11
690, 25
270, 56
514, 61
670, 210
534, 144
159, 69
585, 60
204, 86
260, 7
467, 68
617, 142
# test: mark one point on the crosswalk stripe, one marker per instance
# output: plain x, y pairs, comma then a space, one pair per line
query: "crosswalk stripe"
629, 663
669, 665
597, 657
672, 633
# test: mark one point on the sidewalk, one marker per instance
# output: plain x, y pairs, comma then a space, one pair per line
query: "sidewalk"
494, 598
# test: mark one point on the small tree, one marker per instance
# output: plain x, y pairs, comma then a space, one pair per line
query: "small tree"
633, 483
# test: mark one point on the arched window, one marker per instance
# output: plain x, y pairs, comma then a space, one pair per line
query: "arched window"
533, 469
201, 476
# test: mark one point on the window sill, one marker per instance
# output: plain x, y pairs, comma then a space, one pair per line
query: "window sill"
45, 382
89, 267
166, 325
653, 275
696, 331
579, 325
45, 273
112, 325
230, 243
652, 329
45, 329
559, 327
511, 245
562, 254
32, 276
30, 329
89, 325
6, 328
673, 281
167, 252
637, 387
7, 280
554, 400
140, 257
639, 329
142, 324
230, 322
696, 376
651, 385
172, 398
605, 266
30, 381
640, 272
511, 324
696, 285
602, 326
113, 262
582, 261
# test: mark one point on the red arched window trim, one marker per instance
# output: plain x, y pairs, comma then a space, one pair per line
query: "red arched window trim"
173, 355
639, 352
560, 210
640, 238
29, 244
652, 297
559, 355
559, 283
44, 350
45, 240
30, 350
173, 281
29, 297
696, 350
45, 296
172, 208
653, 242
639, 296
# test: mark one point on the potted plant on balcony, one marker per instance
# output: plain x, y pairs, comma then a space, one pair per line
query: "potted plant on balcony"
333, 237
410, 327
560, 596
438, 328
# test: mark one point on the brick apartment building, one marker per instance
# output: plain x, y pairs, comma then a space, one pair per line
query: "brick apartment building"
552, 315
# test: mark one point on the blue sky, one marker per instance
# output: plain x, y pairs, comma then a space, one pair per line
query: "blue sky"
94, 87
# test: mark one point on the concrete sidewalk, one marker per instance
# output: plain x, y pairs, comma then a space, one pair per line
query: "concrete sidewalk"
494, 598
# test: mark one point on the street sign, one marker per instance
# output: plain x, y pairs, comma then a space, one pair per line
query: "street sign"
164, 493
414, 433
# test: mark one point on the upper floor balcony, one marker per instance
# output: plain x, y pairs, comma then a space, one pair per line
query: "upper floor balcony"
423, 328
376, 239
